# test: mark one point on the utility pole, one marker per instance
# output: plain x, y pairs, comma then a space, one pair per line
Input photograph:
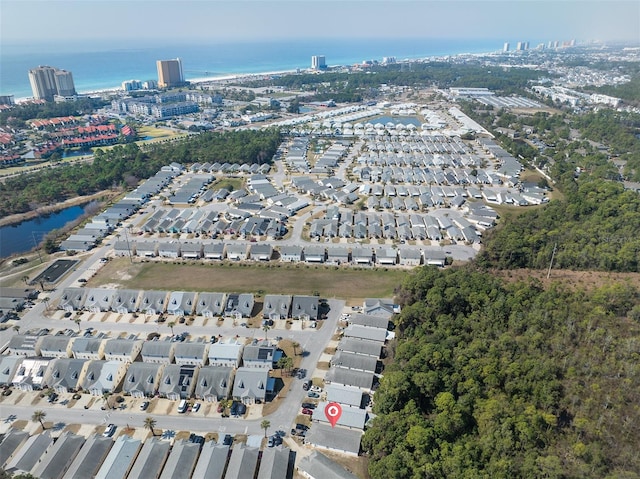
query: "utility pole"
552, 257
35, 244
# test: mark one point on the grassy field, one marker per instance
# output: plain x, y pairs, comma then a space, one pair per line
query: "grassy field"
274, 278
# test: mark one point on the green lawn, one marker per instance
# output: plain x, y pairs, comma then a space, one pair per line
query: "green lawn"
274, 278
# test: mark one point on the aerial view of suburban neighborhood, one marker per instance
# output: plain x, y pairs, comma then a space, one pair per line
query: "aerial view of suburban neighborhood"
393, 268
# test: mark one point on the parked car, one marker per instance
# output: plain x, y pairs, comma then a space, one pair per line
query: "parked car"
241, 409
307, 411
144, 406
306, 385
220, 408
234, 408
228, 440
274, 440
183, 406
52, 397
196, 407
109, 431
315, 389
313, 395
308, 405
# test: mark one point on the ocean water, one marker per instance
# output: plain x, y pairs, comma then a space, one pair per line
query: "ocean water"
100, 66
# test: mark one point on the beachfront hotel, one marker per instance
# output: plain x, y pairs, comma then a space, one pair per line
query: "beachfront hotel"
170, 73
48, 82
318, 62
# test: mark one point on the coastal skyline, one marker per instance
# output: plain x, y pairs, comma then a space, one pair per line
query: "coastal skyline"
148, 21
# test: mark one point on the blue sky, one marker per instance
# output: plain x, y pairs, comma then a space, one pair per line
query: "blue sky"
32, 21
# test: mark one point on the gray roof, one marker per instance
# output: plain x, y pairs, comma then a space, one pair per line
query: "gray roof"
86, 345
360, 346
212, 303
8, 366
12, 441
359, 362
181, 461
151, 458
350, 377
379, 306
99, 298
24, 343
370, 320
214, 382
119, 347
59, 457
243, 462
142, 378
262, 352
212, 461
274, 463
317, 465
54, 343
125, 300
364, 332
178, 379
154, 300
90, 457
157, 349
278, 304
73, 298
119, 459
351, 417
251, 383
64, 373
345, 395
30, 453
181, 302
241, 303
305, 305
191, 351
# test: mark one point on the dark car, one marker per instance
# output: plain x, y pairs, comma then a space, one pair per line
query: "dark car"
241, 409
306, 385
52, 397
234, 408
307, 411
308, 405
228, 440
274, 440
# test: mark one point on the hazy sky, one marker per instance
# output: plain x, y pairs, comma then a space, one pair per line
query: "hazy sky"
30, 21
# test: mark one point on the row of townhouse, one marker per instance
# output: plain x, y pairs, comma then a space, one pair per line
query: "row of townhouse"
181, 303
211, 372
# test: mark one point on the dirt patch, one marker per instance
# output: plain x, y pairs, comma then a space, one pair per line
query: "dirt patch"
588, 280
357, 465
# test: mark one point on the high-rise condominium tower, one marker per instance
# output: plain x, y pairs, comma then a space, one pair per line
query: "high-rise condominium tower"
318, 62
47, 82
170, 73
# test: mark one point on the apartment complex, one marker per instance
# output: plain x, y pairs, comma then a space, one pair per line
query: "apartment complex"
48, 82
318, 62
170, 73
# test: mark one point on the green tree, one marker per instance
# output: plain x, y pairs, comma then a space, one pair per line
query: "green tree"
39, 416
150, 424
265, 424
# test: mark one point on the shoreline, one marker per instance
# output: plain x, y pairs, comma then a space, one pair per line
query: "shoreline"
44, 210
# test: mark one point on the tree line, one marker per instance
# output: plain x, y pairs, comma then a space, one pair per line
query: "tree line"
123, 166
503, 380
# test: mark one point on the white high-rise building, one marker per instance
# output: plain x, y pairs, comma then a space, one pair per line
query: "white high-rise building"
64, 83
43, 82
318, 62
505, 47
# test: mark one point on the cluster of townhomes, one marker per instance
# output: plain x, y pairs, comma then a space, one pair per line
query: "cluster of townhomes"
184, 303
354, 373
173, 369
71, 456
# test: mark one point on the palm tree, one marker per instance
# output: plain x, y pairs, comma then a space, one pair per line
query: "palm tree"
265, 425
39, 415
150, 423
25, 279
295, 345
77, 320
266, 329
171, 324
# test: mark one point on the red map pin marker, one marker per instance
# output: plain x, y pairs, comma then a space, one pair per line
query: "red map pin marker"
333, 411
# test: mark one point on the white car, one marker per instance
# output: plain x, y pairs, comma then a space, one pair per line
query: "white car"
109, 431
315, 389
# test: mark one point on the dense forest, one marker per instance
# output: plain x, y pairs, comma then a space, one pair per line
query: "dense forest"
358, 85
126, 165
502, 380
595, 227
